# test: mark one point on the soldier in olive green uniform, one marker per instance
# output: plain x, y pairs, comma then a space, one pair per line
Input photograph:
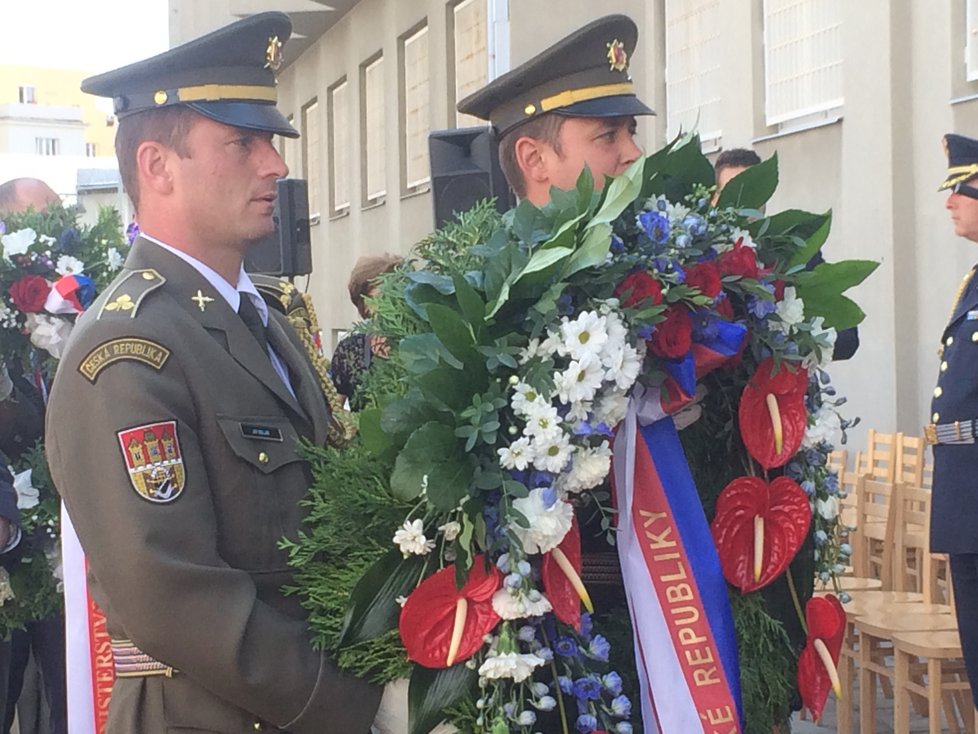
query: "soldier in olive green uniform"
174, 420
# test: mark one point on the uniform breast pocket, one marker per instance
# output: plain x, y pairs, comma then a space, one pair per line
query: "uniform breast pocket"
258, 487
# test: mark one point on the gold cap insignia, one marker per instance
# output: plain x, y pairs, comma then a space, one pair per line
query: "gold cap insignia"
273, 53
617, 56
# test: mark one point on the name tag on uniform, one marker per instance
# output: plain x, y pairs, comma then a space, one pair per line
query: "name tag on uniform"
972, 316
260, 432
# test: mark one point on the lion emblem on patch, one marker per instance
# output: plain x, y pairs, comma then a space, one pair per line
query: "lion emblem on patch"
153, 460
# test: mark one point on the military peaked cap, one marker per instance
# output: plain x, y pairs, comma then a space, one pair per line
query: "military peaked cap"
227, 75
962, 159
582, 75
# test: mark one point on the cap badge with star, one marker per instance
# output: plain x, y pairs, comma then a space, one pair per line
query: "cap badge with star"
617, 56
962, 159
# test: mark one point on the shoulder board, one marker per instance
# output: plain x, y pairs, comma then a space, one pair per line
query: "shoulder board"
278, 292
129, 292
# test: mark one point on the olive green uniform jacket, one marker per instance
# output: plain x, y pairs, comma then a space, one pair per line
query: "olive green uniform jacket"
174, 444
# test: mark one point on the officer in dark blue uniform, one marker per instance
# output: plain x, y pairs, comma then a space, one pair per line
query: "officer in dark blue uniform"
954, 412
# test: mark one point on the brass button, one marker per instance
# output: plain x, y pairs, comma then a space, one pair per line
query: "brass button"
938, 392
160, 97
944, 366
974, 336
936, 417
148, 276
258, 726
949, 341
262, 458
530, 109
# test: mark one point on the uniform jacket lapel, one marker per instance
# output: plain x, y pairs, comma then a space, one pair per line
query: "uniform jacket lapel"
191, 291
304, 380
967, 302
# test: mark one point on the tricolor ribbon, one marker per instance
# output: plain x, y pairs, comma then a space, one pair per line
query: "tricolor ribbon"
685, 643
677, 390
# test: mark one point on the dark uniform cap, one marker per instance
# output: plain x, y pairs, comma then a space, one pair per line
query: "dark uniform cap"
227, 75
962, 159
582, 75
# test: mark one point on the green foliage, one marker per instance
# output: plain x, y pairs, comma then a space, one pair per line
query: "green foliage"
752, 187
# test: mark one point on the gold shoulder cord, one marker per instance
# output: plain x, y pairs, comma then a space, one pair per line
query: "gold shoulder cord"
342, 428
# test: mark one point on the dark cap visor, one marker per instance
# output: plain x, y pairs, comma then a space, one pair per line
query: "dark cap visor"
617, 106
247, 115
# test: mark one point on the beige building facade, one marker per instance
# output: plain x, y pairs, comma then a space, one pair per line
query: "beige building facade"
853, 97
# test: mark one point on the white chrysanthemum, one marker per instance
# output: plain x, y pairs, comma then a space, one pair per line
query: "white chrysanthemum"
551, 453
617, 332
513, 665
588, 470
523, 396
585, 335
581, 380
791, 311
411, 540
578, 411
114, 259
451, 530
624, 365
517, 605
828, 508
27, 494
542, 420
551, 345
517, 455
548, 525
16, 243
611, 407
68, 265
48, 333
827, 424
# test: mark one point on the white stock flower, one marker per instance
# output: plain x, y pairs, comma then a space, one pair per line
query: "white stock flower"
410, 539
611, 407
517, 605
16, 243
738, 234
48, 332
548, 525
114, 259
451, 530
585, 335
827, 424
826, 336
27, 494
513, 665
581, 379
68, 265
517, 455
542, 420
791, 311
828, 508
551, 452
589, 468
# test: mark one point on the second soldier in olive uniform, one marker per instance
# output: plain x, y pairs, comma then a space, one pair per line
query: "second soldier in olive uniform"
174, 421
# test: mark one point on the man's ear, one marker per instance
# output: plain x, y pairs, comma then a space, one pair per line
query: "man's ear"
530, 159
153, 161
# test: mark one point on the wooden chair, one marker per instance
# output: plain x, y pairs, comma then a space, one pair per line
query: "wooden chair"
881, 455
910, 539
945, 677
874, 530
910, 460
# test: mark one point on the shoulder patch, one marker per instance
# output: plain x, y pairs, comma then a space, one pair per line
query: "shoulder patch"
125, 348
129, 292
154, 461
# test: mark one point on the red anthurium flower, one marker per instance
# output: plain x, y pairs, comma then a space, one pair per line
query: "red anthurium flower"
441, 624
561, 575
758, 529
817, 671
772, 413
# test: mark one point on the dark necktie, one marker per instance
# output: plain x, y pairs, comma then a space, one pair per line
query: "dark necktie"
249, 314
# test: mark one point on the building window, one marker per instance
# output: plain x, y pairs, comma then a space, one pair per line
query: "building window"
311, 156
470, 53
338, 120
90, 150
373, 155
47, 146
25, 94
802, 58
971, 45
417, 116
693, 67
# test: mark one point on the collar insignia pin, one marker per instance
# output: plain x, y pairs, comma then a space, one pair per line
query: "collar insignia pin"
201, 300
617, 56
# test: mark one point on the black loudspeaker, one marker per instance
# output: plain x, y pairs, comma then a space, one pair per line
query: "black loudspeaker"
464, 169
288, 250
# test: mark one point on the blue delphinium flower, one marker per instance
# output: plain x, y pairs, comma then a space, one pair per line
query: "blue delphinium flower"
621, 707
617, 246
646, 331
821, 537
586, 626
566, 647
69, 241
612, 683
809, 486
587, 688
599, 648
545, 703
132, 232
695, 225
549, 497
623, 727
655, 225
586, 723
793, 470
528, 633
566, 685
540, 479
759, 307
526, 718
513, 581
705, 326
831, 483
565, 305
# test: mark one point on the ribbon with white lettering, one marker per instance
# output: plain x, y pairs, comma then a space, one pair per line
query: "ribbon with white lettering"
685, 643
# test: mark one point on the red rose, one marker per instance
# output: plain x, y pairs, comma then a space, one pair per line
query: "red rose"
706, 277
740, 261
640, 286
673, 337
725, 308
30, 293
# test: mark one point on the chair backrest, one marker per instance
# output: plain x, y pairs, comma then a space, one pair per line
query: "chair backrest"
911, 452
913, 569
875, 526
881, 454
